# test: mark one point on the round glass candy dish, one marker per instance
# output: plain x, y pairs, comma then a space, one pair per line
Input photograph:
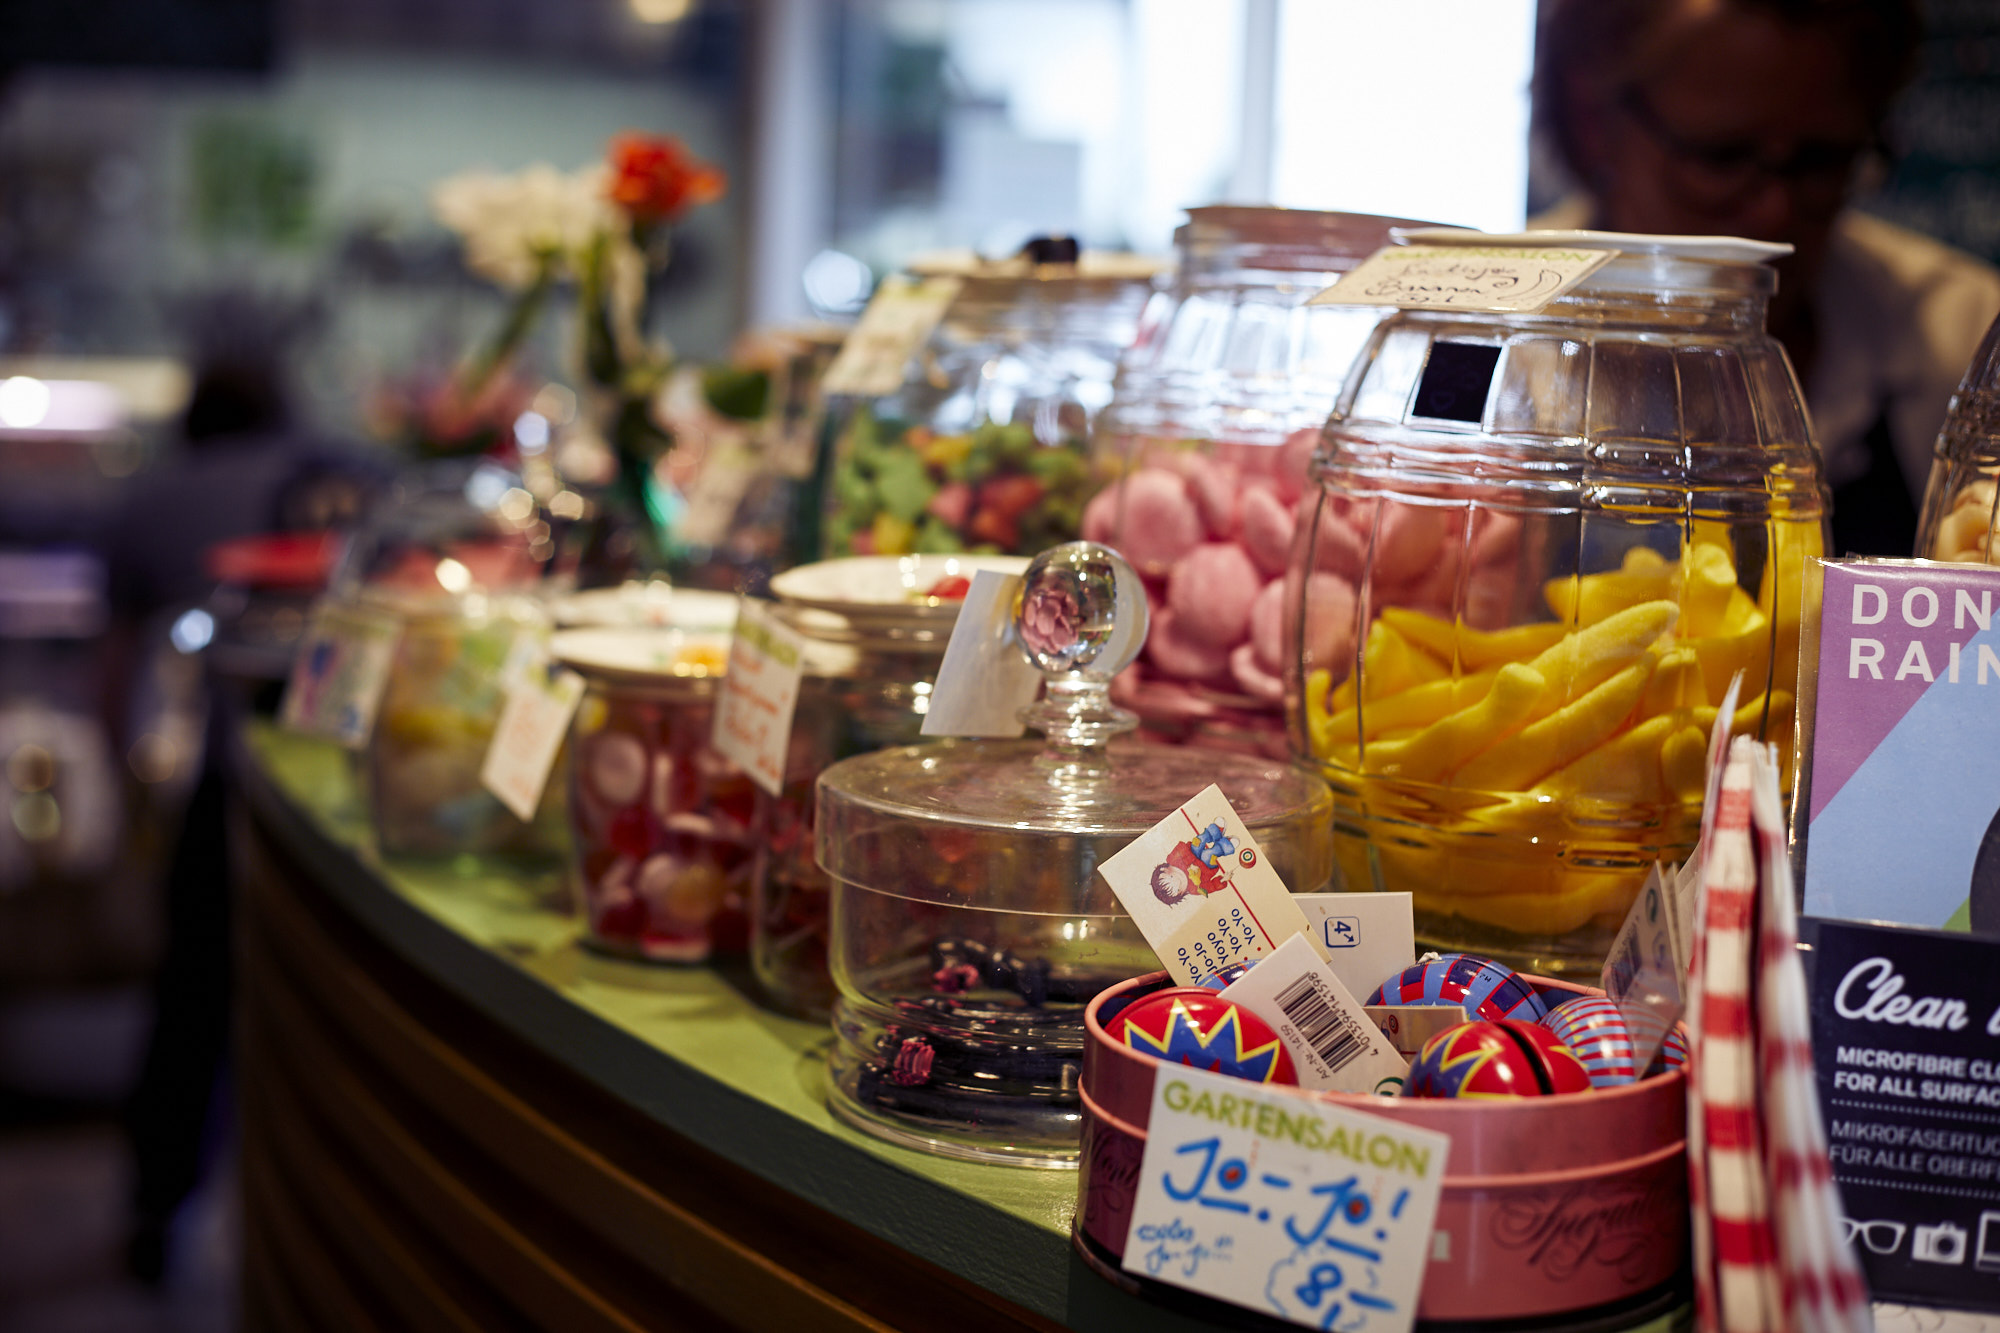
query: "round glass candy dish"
1961, 515
453, 558
1544, 545
1213, 420
660, 823
876, 629
982, 446
970, 926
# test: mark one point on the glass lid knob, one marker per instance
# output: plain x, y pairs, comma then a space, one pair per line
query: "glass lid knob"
1081, 619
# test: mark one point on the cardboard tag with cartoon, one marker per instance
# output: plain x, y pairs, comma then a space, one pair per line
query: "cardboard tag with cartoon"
1201, 891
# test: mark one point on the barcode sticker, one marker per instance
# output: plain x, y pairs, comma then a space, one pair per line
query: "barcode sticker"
1334, 1045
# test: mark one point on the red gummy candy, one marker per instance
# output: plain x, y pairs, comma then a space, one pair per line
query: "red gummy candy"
951, 588
623, 920
630, 833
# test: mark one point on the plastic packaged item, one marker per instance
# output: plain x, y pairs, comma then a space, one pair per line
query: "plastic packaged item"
659, 822
969, 924
1961, 513
1543, 546
983, 445
1212, 424
876, 629
455, 558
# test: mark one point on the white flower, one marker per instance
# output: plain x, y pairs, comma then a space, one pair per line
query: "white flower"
510, 224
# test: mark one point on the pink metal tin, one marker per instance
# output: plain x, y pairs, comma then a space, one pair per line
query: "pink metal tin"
1551, 1205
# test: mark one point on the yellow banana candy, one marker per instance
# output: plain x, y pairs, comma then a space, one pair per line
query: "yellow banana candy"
1519, 762
1450, 741
1585, 599
1580, 662
1475, 648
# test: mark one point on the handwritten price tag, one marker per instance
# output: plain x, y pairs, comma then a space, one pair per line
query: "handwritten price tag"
1269, 1199
534, 718
1499, 279
753, 706
899, 319
1201, 891
338, 677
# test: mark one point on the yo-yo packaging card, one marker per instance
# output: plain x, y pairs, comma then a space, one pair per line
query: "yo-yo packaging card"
1201, 891
1334, 1046
1640, 975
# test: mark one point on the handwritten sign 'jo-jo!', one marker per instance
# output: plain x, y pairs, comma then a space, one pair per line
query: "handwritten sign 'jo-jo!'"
1274, 1201
754, 706
1507, 280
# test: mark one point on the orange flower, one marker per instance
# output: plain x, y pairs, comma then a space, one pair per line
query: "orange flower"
655, 179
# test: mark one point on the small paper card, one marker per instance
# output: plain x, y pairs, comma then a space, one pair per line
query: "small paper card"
1503, 279
1201, 891
1409, 1026
899, 319
753, 705
534, 718
1367, 937
1270, 1199
984, 681
339, 675
1334, 1046
1640, 975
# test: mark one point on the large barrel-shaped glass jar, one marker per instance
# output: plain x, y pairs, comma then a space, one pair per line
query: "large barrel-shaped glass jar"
1215, 415
1544, 545
983, 446
1961, 517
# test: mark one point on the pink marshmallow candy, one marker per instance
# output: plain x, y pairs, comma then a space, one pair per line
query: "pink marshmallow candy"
1181, 656
1210, 592
1253, 679
1329, 625
1161, 523
1218, 497
1267, 626
1267, 531
1409, 538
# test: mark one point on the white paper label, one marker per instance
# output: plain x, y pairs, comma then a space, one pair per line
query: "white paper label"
984, 681
1639, 973
754, 703
1272, 1200
1366, 937
1201, 891
1334, 1045
339, 675
534, 718
1499, 279
899, 319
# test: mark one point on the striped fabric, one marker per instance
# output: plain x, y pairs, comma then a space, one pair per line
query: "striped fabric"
1768, 1252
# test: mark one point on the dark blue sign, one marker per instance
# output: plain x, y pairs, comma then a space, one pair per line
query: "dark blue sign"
1906, 1047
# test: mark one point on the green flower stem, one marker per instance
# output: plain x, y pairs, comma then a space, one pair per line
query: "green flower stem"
521, 319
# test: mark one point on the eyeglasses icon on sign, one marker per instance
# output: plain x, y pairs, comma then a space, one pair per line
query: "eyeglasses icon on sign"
1872, 1234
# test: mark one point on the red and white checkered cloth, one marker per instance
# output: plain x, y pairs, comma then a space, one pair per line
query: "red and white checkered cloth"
1769, 1257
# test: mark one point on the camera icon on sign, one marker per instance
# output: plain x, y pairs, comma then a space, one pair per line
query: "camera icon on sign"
1944, 1243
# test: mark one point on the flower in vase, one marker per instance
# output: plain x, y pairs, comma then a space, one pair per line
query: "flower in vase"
654, 178
514, 227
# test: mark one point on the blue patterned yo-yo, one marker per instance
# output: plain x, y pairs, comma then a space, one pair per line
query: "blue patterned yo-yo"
1596, 1030
1485, 988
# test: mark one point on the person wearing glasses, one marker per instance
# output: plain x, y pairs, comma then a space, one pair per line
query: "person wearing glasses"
1760, 118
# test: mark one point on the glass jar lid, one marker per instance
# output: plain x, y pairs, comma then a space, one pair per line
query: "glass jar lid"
659, 660
1022, 825
904, 600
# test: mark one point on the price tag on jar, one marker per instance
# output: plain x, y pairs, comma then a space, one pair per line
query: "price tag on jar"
340, 673
899, 319
1201, 891
534, 718
755, 699
1499, 279
1271, 1199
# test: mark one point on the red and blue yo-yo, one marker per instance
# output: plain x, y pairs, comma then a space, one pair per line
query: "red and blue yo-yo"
1189, 1026
1596, 1031
1484, 988
1674, 1050
1228, 976
1495, 1058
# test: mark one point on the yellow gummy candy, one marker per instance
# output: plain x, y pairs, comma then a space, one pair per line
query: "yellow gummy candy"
1684, 764
1449, 742
1586, 659
1456, 641
1586, 599
1391, 664
1743, 643
1707, 579
1418, 706
1626, 767
1519, 762
1676, 683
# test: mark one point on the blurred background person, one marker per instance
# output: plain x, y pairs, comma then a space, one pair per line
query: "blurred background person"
1760, 118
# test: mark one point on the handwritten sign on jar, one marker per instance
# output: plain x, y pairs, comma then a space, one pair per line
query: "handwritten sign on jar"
754, 704
1512, 280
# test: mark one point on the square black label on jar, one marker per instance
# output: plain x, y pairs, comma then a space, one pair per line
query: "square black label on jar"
1455, 381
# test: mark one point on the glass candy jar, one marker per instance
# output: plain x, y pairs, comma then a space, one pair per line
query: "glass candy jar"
1216, 412
982, 445
660, 823
1544, 544
1962, 501
970, 926
876, 629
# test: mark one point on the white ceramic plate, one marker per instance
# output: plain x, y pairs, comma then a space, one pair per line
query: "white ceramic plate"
643, 655
646, 604
886, 589
1723, 249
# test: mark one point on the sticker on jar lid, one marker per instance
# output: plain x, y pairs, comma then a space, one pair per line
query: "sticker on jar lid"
1269, 1198
1201, 891
534, 717
1333, 1044
755, 700
899, 320
984, 681
340, 673
1497, 279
